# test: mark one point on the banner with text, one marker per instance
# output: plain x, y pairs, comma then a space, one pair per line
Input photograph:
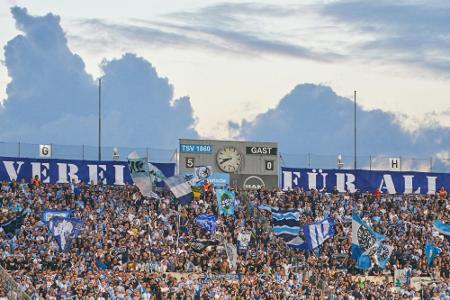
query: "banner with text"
64, 171
349, 180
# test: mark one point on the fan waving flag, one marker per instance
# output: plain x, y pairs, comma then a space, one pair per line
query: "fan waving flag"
225, 201
181, 188
48, 214
140, 173
442, 227
207, 222
431, 251
65, 230
367, 243
286, 224
317, 233
297, 243
13, 225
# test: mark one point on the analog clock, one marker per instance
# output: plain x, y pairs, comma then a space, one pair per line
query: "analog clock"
229, 159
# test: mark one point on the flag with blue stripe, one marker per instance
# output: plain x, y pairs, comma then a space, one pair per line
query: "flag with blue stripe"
317, 233
286, 224
431, 251
442, 227
366, 243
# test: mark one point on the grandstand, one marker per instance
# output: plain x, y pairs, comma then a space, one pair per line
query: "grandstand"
76, 228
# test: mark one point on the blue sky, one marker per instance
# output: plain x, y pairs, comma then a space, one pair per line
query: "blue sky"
218, 69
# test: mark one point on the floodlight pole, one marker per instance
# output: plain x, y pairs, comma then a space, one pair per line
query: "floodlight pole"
354, 131
99, 119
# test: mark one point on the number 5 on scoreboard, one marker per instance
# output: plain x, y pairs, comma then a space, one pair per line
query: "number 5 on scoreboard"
190, 162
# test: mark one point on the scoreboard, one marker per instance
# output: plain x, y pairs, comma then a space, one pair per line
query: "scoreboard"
248, 165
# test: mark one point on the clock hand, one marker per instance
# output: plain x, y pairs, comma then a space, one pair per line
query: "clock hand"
225, 160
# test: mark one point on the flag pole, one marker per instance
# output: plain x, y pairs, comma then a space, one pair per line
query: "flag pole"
178, 225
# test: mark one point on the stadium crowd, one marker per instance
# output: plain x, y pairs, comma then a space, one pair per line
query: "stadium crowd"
134, 247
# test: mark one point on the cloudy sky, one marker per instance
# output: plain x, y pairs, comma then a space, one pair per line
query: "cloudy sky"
248, 70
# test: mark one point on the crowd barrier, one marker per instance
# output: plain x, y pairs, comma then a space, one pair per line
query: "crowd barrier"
11, 288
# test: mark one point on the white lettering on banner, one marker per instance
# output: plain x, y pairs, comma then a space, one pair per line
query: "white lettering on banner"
388, 184
97, 174
409, 185
290, 178
312, 180
11, 170
431, 185
41, 170
118, 174
324, 181
342, 185
63, 173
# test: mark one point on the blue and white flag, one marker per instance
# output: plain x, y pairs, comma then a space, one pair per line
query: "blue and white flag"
244, 240
267, 207
225, 201
203, 172
297, 243
156, 175
431, 251
382, 254
65, 230
317, 233
207, 222
48, 214
286, 224
181, 187
366, 243
442, 227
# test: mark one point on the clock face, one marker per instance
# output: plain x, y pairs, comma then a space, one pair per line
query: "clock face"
229, 159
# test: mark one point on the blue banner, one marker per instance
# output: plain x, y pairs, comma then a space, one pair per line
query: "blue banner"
64, 171
219, 180
391, 182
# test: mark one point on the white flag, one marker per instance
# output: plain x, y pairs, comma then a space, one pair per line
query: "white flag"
140, 174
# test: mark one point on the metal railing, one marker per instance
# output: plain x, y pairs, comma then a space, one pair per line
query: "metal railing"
365, 162
85, 152
11, 288
305, 160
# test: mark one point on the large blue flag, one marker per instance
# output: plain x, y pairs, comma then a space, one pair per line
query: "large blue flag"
366, 243
442, 227
431, 251
65, 230
207, 222
317, 233
225, 201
